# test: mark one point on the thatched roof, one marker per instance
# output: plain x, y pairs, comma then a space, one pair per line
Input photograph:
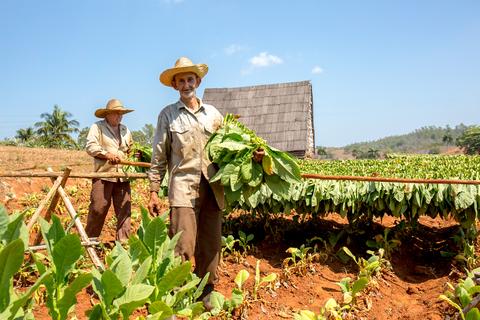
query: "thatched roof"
282, 114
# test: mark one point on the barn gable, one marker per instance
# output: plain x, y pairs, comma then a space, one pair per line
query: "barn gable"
282, 114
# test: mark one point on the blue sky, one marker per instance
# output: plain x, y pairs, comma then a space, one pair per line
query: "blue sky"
377, 68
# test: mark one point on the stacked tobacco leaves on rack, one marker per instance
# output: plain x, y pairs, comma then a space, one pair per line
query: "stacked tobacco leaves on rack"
249, 184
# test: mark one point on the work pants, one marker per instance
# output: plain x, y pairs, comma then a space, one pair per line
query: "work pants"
201, 228
103, 192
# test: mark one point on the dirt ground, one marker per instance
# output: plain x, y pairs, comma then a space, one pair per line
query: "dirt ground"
410, 289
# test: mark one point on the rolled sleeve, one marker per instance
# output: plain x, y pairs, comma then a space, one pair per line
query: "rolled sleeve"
160, 154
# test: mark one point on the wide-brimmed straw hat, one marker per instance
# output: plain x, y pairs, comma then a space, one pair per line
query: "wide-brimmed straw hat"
182, 65
113, 105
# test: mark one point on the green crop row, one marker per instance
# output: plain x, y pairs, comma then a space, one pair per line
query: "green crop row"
400, 166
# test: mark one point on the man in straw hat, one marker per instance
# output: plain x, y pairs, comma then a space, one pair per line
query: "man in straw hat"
183, 129
108, 142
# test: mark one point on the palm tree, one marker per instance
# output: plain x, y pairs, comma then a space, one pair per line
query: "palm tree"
25, 135
55, 130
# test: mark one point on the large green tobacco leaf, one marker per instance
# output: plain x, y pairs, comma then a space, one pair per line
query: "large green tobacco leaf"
111, 285
51, 233
11, 257
155, 234
142, 272
69, 295
16, 305
3, 221
122, 268
174, 278
65, 253
135, 296
14, 229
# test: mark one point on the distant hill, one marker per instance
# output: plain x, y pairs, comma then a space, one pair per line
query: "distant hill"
431, 139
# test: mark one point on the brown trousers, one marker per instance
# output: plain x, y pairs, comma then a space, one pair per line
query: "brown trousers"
100, 199
202, 232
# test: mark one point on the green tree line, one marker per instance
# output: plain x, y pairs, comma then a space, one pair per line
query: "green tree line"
58, 130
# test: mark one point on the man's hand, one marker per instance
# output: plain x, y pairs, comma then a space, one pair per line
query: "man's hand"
258, 155
112, 158
154, 204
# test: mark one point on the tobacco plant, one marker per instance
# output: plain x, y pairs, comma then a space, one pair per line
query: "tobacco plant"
223, 307
244, 241
383, 242
62, 280
370, 267
465, 296
12, 238
330, 311
259, 280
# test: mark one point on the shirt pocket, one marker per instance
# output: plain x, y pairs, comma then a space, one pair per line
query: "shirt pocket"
181, 137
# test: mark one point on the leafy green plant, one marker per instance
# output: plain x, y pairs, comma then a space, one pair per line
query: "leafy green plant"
462, 295
244, 241
228, 247
259, 280
330, 311
371, 267
12, 247
383, 242
244, 180
62, 280
120, 291
150, 273
223, 307
351, 289
300, 259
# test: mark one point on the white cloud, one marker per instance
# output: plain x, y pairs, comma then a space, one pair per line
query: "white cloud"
232, 49
263, 59
317, 70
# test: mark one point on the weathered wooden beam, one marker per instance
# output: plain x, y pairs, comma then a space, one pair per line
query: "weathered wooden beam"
53, 203
92, 242
87, 175
42, 204
83, 235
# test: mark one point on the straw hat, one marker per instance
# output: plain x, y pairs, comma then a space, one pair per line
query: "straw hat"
182, 65
113, 105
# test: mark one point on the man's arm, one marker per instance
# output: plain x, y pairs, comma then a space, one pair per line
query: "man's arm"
158, 169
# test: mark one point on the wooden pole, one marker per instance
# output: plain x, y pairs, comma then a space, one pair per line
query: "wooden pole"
53, 203
87, 175
45, 200
83, 235
92, 242
135, 163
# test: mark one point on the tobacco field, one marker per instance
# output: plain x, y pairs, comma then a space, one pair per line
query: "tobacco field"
317, 250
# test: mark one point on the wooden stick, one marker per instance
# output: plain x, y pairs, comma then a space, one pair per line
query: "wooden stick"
53, 203
87, 175
83, 235
92, 242
381, 179
135, 163
45, 200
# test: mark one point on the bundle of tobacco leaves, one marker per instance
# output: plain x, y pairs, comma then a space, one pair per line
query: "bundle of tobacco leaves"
138, 153
248, 183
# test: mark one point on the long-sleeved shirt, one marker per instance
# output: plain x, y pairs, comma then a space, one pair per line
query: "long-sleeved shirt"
178, 147
102, 139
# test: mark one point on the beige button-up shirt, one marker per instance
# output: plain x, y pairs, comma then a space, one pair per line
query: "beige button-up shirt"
179, 144
102, 139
